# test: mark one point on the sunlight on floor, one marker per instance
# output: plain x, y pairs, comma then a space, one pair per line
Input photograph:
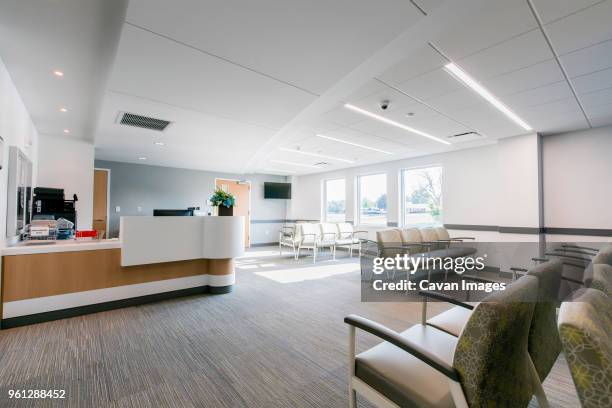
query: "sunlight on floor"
291, 275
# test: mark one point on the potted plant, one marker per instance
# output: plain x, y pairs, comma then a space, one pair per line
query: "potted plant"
224, 201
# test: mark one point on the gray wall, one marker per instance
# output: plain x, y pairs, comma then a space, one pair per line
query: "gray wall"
150, 187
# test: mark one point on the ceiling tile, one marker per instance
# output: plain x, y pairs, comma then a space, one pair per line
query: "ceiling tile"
550, 10
536, 75
593, 82
597, 98
582, 29
487, 120
428, 5
539, 96
430, 85
425, 60
519, 52
292, 40
604, 120
462, 98
588, 60
201, 82
496, 22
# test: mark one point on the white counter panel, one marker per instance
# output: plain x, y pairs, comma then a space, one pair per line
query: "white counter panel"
147, 240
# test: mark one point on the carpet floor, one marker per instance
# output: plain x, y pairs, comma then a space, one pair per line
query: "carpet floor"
278, 340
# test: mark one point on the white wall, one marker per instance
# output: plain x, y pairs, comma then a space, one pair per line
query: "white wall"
16, 129
69, 164
496, 185
578, 179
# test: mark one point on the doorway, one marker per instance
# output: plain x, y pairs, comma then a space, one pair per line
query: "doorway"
242, 191
101, 200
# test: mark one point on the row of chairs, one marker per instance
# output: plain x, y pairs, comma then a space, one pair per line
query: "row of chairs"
496, 352
319, 236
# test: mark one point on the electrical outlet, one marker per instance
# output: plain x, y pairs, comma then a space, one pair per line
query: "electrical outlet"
139, 209
117, 209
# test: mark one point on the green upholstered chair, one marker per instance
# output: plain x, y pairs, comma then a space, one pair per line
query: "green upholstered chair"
544, 343
488, 365
585, 327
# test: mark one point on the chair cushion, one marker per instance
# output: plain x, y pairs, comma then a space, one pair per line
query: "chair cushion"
452, 321
346, 241
345, 229
430, 235
584, 327
306, 229
328, 228
410, 235
405, 379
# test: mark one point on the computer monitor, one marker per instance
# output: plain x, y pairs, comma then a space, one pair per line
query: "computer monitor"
172, 213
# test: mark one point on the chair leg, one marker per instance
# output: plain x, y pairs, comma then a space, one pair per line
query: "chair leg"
537, 384
352, 393
297, 254
314, 254
280, 249
351, 251
334, 252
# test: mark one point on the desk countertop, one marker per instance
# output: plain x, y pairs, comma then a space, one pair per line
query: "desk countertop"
68, 245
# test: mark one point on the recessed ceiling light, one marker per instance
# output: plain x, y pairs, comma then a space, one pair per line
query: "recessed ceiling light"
410, 114
293, 163
394, 123
285, 149
160, 144
63, 109
58, 73
142, 158
66, 131
353, 144
462, 76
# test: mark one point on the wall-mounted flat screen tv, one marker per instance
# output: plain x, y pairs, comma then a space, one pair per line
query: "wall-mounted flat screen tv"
277, 190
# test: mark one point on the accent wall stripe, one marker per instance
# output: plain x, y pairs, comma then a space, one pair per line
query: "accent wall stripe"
593, 232
470, 227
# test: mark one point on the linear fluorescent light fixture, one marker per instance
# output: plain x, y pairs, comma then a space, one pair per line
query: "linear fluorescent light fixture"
394, 123
461, 75
323, 156
335, 139
293, 163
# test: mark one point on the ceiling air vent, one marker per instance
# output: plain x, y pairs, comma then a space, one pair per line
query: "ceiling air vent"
145, 122
321, 164
465, 137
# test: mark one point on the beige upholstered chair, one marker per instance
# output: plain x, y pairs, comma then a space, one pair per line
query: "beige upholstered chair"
311, 237
487, 365
389, 242
585, 327
412, 239
602, 278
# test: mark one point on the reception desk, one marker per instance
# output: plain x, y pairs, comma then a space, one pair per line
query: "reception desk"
155, 258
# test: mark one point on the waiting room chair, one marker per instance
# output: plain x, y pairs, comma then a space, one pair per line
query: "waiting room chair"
287, 237
544, 343
488, 365
585, 328
311, 237
348, 237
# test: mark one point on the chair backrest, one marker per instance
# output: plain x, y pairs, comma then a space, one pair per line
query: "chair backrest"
604, 256
345, 230
491, 353
327, 229
411, 236
442, 233
544, 343
306, 229
430, 235
389, 237
585, 324
602, 278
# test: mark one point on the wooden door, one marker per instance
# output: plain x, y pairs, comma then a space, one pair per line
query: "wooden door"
100, 206
242, 191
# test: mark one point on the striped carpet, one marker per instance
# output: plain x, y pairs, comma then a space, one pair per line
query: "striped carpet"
277, 341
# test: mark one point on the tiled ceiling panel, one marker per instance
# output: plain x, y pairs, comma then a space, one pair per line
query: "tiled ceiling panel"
425, 60
551, 10
533, 76
582, 29
594, 81
587, 60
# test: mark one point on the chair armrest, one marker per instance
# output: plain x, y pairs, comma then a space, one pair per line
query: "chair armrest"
574, 251
540, 259
566, 256
579, 247
445, 298
333, 234
462, 238
404, 343
360, 232
478, 279
515, 269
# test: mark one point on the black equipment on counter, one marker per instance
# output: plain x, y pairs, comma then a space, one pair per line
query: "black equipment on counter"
50, 202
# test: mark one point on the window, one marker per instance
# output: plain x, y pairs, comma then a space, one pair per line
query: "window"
372, 199
422, 197
335, 200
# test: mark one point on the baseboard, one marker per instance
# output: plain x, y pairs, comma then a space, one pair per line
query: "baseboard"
105, 306
263, 244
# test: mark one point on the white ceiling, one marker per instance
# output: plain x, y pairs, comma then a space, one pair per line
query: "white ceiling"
240, 81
